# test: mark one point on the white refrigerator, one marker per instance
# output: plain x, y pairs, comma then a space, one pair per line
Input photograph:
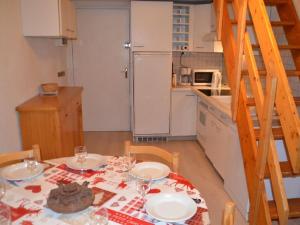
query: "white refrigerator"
152, 73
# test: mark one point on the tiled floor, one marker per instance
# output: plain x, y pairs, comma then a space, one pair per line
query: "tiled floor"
193, 165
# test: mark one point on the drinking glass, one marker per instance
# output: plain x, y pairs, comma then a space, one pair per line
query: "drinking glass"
143, 186
80, 153
99, 217
5, 214
129, 161
31, 162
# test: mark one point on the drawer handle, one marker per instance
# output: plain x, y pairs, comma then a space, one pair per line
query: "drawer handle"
139, 46
190, 95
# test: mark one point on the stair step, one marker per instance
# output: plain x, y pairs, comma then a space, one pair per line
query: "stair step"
273, 23
290, 73
277, 133
285, 168
283, 47
269, 2
294, 205
251, 101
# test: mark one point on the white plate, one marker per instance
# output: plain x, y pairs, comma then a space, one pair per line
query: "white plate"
93, 161
20, 172
171, 207
155, 170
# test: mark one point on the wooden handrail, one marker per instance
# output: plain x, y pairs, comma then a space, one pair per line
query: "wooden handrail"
239, 56
219, 5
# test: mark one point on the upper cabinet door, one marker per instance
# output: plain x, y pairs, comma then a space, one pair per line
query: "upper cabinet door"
48, 18
151, 25
203, 37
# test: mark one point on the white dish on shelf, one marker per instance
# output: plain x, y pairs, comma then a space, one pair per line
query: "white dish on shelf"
20, 171
171, 207
155, 170
92, 161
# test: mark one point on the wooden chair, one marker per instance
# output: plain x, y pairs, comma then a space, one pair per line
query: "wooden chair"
171, 158
11, 157
228, 214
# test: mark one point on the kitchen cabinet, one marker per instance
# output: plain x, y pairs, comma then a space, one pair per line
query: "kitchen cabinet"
203, 38
53, 122
194, 28
49, 18
151, 26
183, 113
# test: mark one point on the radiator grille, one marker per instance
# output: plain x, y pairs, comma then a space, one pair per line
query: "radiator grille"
150, 139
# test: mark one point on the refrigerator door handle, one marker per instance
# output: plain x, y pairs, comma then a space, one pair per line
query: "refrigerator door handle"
125, 71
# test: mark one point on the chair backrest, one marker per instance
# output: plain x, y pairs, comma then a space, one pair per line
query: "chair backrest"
228, 214
171, 158
7, 157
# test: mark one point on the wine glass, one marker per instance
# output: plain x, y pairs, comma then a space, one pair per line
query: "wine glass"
143, 186
80, 154
99, 217
31, 162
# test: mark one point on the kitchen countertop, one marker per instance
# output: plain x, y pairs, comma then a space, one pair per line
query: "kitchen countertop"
220, 102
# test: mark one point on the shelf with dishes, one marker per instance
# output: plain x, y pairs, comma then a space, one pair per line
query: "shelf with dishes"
181, 27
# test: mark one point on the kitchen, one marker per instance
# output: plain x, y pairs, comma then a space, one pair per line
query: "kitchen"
143, 78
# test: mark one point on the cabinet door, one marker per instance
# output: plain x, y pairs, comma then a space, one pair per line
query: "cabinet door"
183, 114
40, 18
151, 26
48, 18
203, 37
67, 131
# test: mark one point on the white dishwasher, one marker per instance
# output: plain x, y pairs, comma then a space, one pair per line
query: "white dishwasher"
218, 135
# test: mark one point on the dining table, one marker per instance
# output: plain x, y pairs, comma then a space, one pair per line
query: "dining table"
27, 199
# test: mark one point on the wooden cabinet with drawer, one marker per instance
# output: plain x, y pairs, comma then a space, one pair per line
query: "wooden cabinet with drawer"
53, 122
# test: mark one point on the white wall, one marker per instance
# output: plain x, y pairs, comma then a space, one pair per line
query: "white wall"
25, 63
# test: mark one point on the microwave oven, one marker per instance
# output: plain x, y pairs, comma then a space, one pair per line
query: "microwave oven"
207, 77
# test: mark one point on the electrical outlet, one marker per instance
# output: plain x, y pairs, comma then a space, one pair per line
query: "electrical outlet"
61, 74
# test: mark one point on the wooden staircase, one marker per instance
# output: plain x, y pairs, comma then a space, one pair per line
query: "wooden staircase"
272, 101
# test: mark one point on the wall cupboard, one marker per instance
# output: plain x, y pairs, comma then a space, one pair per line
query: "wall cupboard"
194, 28
151, 26
53, 122
49, 18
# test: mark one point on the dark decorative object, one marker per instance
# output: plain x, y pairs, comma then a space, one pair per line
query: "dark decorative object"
70, 198
193, 1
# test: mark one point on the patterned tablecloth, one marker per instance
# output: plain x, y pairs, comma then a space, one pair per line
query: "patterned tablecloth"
27, 199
